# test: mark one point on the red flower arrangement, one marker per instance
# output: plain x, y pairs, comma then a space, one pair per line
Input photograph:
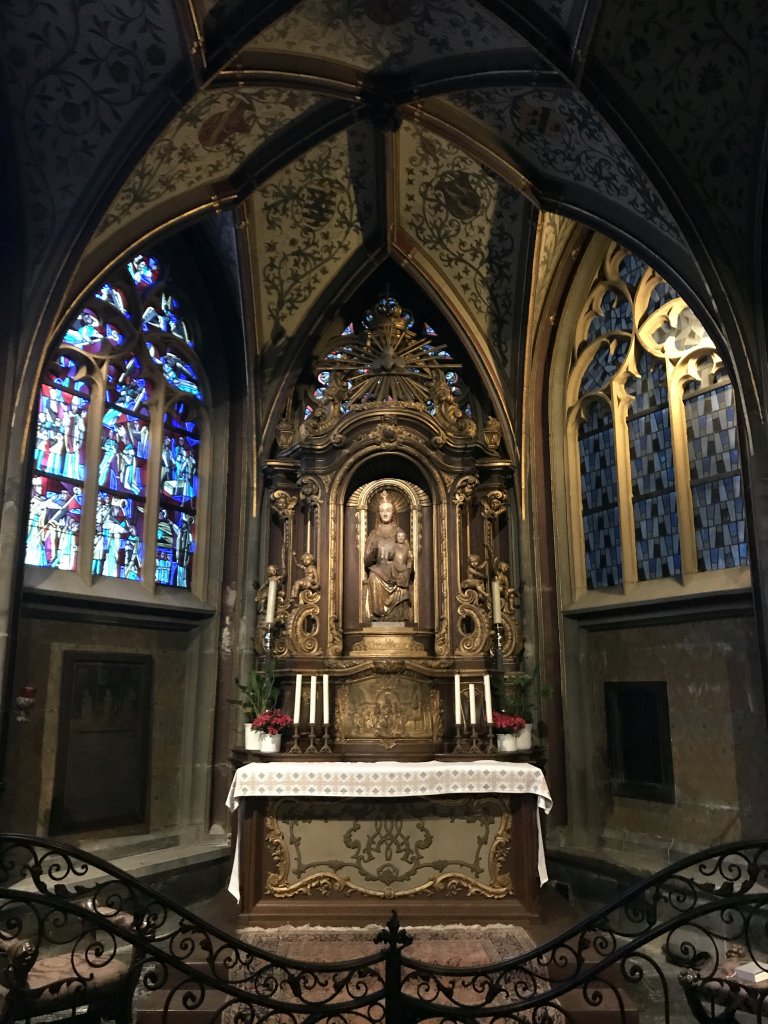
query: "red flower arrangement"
504, 723
272, 721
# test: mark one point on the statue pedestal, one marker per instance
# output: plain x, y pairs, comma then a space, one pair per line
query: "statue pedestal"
388, 640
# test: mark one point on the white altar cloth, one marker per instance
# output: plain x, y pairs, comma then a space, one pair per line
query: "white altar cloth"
377, 779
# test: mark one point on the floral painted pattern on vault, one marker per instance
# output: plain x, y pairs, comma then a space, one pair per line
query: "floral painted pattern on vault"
206, 142
470, 223
67, 90
392, 33
313, 216
564, 137
695, 71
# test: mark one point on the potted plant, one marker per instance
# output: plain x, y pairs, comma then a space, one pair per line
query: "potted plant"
508, 728
516, 700
257, 695
272, 723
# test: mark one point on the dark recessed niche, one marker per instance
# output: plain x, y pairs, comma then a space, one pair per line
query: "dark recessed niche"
639, 744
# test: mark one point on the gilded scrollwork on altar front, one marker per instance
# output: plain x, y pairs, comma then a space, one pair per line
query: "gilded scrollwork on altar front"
402, 848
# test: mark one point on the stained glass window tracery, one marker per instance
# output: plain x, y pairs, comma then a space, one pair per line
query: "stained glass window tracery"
653, 436
129, 356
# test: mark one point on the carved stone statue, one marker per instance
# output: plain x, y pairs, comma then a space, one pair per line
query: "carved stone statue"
388, 561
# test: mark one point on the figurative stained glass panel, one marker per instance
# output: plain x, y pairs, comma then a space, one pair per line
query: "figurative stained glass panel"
179, 484
118, 547
164, 317
654, 500
716, 484
599, 499
90, 333
112, 357
145, 271
121, 467
53, 527
176, 370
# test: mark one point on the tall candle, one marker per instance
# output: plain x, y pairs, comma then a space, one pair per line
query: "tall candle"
326, 708
269, 618
487, 694
457, 698
472, 709
297, 700
312, 699
496, 600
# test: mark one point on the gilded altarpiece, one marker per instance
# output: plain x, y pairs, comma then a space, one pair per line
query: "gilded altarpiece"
389, 503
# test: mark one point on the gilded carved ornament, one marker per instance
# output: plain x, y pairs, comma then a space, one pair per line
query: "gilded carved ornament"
284, 504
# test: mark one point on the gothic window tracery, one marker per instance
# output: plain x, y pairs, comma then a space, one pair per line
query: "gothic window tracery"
656, 488
120, 413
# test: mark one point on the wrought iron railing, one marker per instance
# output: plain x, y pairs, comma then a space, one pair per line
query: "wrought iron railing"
110, 937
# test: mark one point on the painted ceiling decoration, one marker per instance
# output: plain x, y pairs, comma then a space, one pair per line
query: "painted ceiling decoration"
205, 143
311, 218
394, 35
469, 223
640, 118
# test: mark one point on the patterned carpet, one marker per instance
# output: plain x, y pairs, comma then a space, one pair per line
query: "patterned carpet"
448, 945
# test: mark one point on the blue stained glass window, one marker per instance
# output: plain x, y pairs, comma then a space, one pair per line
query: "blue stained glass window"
129, 335
631, 269
654, 500
177, 372
114, 296
615, 316
144, 270
117, 542
603, 366
599, 496
90, 333
716, 486
662, 293
53, 527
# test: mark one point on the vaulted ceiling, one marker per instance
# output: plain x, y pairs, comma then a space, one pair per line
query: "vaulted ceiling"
435, 132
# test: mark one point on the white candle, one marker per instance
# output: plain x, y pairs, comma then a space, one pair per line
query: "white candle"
457, 698
472, 709
487, 693
312, 699
326, 708
269, 618
496, 600
297, 700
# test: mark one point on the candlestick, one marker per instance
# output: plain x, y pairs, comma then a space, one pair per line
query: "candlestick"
472, 708
487, 694
326, 707
297, 700
312, 699
457, 698
269, 616
496, 600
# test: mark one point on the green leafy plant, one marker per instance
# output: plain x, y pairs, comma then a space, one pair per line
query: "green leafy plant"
258, 694
516, 693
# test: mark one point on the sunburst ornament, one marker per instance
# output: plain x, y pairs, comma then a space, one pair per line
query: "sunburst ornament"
387, 361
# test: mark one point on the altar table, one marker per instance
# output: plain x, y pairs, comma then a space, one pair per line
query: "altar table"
330, 841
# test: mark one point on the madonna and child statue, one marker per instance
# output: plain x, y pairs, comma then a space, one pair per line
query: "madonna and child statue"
388, 561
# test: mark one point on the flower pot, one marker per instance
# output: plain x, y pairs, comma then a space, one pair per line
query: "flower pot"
271, 742
253, 737
525, 738
506, 742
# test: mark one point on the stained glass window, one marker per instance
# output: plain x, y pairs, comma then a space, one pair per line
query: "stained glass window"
599, 493
130, 353
647, 388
